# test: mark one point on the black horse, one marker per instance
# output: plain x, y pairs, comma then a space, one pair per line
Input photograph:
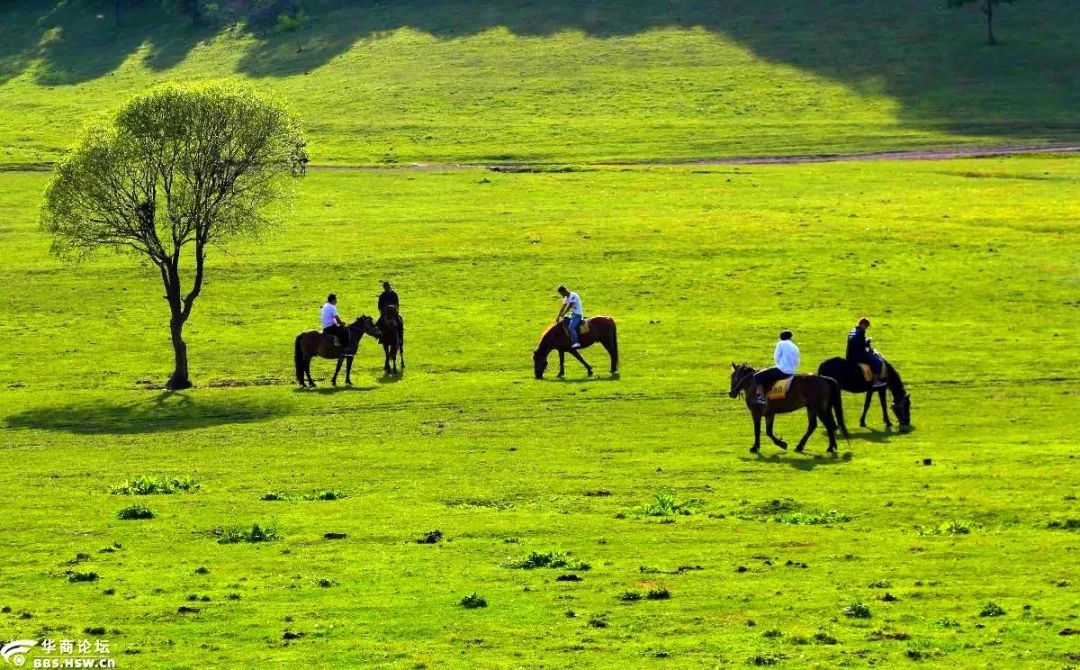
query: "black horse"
392, 339
851, 379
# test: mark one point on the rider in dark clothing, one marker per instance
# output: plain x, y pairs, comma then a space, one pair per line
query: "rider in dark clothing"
388, 298
859, 351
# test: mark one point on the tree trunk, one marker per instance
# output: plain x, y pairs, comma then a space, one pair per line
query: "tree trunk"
990, 21
179, 379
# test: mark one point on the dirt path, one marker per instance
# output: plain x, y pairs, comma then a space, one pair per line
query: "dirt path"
930, 154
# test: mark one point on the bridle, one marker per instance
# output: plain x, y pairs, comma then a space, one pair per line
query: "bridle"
738, 386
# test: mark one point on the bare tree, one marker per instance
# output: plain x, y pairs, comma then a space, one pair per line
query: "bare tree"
176, 168
987, 7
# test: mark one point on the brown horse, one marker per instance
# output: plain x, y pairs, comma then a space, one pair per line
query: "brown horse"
819, 395
313, 343
557, 337
393, 338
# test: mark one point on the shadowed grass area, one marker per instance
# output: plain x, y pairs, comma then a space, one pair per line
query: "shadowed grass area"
168, 412
563, 80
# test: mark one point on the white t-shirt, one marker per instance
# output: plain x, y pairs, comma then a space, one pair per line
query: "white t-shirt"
574, 302
329, 312
786, 356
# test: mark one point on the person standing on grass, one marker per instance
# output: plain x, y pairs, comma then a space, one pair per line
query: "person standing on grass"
332, 324
786, 357
571, 303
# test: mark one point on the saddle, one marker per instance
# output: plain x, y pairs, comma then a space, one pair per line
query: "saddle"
583, 327
779, 389
868, 372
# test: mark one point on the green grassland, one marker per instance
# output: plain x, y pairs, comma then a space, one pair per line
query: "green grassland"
970, 270
572, 81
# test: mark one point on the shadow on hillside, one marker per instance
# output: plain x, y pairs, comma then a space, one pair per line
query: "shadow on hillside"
930, 59
167, 412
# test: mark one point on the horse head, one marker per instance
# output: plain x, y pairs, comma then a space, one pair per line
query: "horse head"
902, 408
740, 373
367, 326
539, 364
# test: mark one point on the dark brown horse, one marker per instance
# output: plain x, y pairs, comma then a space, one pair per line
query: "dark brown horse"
819, 395
850, 377
601, 329
312, 343
392, 339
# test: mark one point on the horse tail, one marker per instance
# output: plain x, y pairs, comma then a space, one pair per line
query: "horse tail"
836, 405
298, 358
614, 346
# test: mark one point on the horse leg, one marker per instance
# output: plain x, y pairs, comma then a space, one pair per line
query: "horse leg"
401, 348
393, 358
348, 371
866, 408
386, 359
337, 369
811, 426
755, 413
575, 354
307, 371
611, 353
830, 425
562, 364
884, 409
769, 416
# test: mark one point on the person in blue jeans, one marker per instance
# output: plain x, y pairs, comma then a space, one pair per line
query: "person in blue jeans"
571, 304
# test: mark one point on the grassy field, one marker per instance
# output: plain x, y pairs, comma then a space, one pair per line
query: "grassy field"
566, 80
970, 270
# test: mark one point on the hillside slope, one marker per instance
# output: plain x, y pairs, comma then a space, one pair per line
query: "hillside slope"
566, 80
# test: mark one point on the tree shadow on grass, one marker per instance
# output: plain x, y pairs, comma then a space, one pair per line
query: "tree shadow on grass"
932, 61
167, 412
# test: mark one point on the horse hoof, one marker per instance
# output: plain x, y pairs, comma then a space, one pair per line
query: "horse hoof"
799, 449
862, 424
754, 450
782, 444
590, 373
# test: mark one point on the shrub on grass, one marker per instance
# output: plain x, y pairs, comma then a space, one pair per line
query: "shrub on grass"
238, 534
135, 512
812, 518
556, 560
274, 496
666, 504
951, 527
1066, 524
326, 494
658, 593
77, 577
473, 601
145, 485
992, 609
630, 596
857, 610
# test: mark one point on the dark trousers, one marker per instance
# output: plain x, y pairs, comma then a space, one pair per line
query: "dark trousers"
340, 332
874, 361
769, 376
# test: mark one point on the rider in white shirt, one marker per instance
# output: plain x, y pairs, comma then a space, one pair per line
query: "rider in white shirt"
332, 323
571, 303
786, 356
